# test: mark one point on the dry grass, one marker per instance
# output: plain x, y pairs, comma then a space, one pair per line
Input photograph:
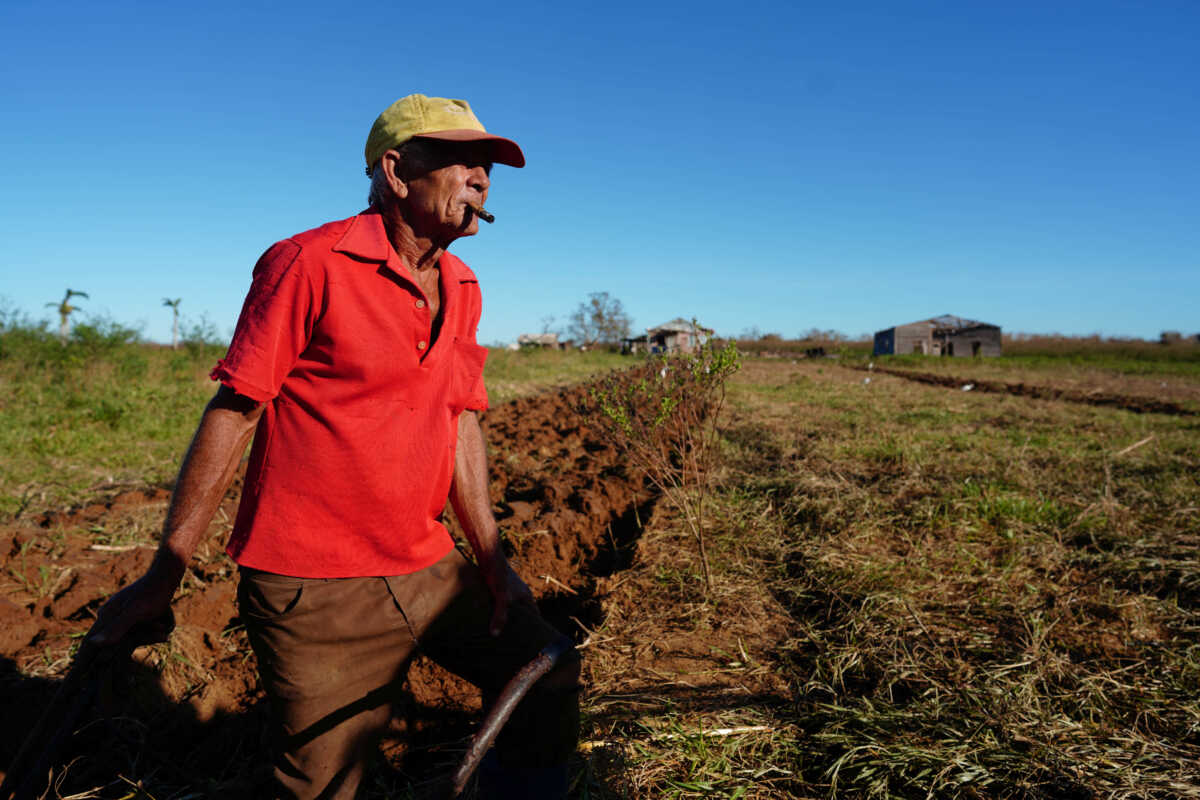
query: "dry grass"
942, 595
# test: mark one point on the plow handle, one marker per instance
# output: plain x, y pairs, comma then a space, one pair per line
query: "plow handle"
506, 703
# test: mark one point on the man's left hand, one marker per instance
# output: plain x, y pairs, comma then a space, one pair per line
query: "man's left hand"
507, 588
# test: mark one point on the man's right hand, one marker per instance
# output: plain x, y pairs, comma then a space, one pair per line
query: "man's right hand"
144, 604
212, 458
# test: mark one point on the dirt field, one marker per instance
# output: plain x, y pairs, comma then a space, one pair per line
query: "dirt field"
572, 513
1130, 377
1091, 390
918, 591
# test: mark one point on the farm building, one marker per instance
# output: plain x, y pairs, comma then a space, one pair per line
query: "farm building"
677, 336
946, 335
546, 340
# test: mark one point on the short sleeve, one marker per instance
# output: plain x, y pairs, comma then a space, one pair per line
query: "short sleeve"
274, 326
477, 400
465, 389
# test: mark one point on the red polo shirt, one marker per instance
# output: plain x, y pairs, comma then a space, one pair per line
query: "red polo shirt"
353, 457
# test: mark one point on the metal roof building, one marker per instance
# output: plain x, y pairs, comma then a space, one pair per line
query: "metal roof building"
677, 336
946, 335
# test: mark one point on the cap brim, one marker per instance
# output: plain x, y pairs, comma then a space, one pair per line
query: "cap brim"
504, 151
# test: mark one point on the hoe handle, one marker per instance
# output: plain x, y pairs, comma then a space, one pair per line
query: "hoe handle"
75, 694
506, 703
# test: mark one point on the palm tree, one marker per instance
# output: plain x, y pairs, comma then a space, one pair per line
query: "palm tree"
64, 313
174, 304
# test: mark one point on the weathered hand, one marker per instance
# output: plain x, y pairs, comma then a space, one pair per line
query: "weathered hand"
146, 602
507, 588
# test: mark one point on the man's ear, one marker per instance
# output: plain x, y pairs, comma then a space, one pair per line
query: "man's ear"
392, 164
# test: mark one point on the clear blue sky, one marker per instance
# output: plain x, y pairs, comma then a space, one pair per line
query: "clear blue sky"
776, 165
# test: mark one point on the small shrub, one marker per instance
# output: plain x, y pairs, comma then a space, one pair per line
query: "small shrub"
664, 414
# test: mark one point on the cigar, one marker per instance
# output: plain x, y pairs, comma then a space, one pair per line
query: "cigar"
482, 213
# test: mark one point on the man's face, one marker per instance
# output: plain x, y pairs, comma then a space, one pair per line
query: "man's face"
443, 179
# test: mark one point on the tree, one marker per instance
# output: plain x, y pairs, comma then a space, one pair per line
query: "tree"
174, 304
601, 320
64, 313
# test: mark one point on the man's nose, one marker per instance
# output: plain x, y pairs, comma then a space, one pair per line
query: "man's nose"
479, 180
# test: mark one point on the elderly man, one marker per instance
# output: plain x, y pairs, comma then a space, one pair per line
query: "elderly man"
355, 368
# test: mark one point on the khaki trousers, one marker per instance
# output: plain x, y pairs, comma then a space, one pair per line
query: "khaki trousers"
332, 654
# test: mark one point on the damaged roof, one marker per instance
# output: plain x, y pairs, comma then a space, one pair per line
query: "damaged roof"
679, 325
949, 322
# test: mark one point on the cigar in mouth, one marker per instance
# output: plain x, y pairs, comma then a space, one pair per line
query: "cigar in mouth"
482, 213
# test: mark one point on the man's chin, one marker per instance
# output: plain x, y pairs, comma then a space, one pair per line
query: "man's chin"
449, 232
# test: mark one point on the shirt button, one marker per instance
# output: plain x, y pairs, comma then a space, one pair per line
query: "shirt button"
420, 304
420, 345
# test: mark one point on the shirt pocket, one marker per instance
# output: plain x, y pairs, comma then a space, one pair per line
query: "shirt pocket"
466, 388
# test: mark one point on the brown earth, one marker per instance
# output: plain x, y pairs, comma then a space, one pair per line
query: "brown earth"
189, 714
1142, 405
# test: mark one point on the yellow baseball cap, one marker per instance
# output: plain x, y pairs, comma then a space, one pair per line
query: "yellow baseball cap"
435, 118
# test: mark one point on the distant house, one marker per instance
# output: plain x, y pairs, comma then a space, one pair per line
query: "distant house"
546, 340
946, 335
677, 336
635, 344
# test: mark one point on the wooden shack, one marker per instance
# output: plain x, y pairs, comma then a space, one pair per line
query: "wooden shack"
677, 336
946, 335
539, 340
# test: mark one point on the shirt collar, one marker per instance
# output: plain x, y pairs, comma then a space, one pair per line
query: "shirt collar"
366, 238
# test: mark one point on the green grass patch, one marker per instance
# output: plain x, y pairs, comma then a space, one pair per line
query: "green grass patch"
510, 374
107, 410
102, 411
